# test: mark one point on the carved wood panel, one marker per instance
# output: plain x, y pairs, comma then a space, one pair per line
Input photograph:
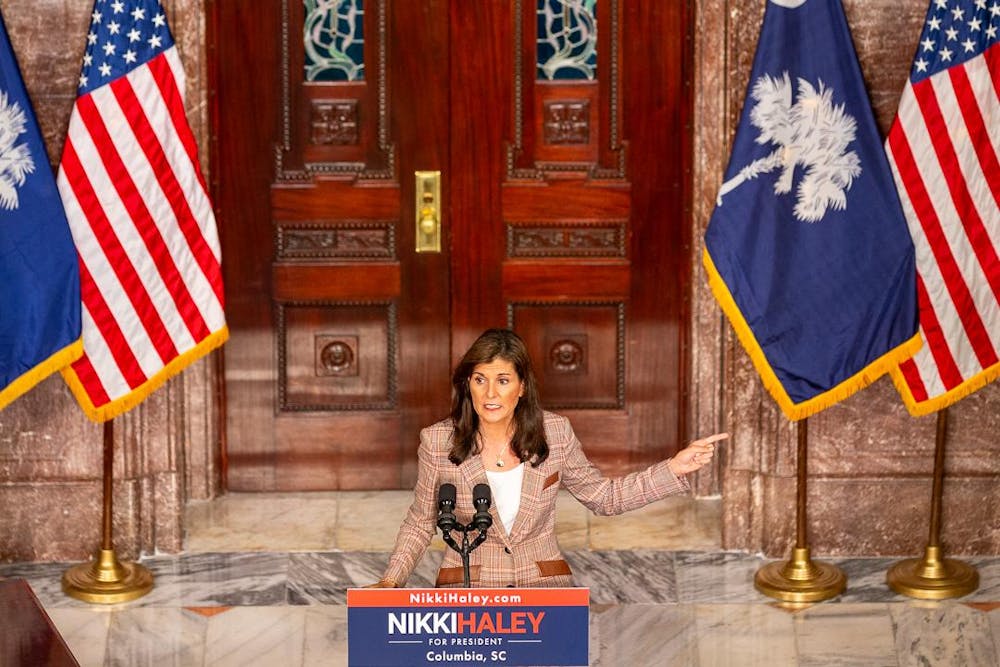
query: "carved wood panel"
336, 356
578, 351
341, 240
570, 239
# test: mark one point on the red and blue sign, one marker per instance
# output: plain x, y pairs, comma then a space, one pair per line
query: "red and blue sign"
390, 627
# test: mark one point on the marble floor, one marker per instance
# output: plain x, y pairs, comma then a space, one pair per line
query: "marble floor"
262, 581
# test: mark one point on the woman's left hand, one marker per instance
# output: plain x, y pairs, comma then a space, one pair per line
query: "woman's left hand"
699, 453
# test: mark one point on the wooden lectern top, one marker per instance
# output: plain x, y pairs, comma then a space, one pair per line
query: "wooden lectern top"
28, 636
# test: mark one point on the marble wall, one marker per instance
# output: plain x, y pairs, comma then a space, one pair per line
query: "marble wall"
869, 462
167, 450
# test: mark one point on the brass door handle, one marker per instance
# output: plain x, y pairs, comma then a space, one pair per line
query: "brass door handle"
427, 212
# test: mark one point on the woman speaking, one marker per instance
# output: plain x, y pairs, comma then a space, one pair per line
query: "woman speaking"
499, 435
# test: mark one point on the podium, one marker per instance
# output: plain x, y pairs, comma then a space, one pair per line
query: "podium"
393, 627
27, 635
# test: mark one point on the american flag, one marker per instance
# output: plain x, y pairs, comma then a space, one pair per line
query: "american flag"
943, 147
139, 211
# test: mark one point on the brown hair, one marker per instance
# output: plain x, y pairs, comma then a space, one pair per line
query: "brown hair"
528, 442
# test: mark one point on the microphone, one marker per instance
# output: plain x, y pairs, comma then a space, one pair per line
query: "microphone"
447, 522
481, 501
446, 507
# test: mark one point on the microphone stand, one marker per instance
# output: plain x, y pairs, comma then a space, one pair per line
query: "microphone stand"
466, 547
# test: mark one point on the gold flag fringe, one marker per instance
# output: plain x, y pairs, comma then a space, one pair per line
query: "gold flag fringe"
795, 411
27, 380
954, 395
139, 394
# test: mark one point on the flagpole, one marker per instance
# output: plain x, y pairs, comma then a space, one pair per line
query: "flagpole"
106, 580
800, 579
934, 577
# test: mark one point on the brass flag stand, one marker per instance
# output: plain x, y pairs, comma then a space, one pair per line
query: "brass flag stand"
107, 580
934, 577
800, 579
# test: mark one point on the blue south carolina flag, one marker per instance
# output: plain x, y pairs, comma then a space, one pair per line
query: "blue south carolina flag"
807, 250
39, 275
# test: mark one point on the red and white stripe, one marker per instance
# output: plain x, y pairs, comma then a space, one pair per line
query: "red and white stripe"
943, 148
145, 233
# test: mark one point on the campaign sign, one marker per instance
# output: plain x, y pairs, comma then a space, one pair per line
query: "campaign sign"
390, 627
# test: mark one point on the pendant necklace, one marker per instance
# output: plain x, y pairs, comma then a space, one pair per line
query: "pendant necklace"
499, 462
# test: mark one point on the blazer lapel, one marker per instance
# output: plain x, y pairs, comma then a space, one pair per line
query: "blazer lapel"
474, 473
531, 491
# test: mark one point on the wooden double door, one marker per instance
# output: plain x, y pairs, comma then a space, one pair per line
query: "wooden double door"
559, 210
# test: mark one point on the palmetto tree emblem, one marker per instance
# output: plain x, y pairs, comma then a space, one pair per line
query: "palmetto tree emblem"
812, 132
15, 161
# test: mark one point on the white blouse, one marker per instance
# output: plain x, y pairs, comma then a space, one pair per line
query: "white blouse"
506, 488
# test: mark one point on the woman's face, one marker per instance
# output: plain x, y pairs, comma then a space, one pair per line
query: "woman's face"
495, 388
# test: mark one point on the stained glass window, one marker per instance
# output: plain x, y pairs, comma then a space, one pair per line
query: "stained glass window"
567, 39
333, 34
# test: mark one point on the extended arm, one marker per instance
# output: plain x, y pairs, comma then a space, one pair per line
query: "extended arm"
615, 495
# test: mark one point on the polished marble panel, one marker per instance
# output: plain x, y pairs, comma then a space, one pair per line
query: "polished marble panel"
265, 636
156, 635
716, 577
323, 578
256, 522
205, 580
994, 617
325, 636
866, 579
748, 635
678, 522
942, 633
989, 578
625, 576
643, 634
845, 634
369, 520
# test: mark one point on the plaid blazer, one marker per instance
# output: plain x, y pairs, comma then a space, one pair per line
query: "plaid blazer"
529, 555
